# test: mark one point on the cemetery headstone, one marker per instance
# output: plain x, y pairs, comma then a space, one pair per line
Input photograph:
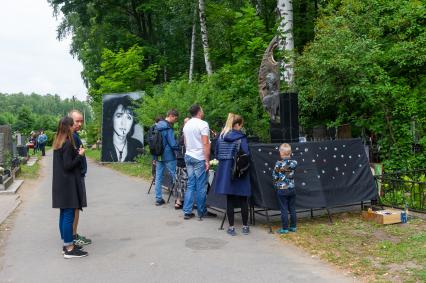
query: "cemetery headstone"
6, 147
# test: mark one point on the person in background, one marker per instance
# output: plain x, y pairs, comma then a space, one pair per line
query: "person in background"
237, 190
181, 173
41, 142
197, 157
168, 158
283, 180
68, 193
78, 119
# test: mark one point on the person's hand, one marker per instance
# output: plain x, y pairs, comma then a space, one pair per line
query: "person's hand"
207, 165
81, 150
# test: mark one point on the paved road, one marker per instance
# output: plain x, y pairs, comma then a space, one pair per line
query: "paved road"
135, 241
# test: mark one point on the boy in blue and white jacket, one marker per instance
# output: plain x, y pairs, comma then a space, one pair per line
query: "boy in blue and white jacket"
283, 179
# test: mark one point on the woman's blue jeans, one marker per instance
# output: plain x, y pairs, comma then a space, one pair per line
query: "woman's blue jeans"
197, 185
66, 219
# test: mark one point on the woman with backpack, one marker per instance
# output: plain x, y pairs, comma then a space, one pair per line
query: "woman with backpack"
236, 188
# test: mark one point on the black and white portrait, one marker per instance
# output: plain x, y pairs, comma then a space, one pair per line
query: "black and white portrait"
122, 136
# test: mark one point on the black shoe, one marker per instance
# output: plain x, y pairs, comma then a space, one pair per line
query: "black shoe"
75, 253
78, 247
161, 202
188, 216
209, 214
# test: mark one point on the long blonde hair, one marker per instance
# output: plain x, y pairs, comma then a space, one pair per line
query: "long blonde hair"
231, 121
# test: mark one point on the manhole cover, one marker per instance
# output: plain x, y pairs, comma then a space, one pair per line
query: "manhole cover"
205, 243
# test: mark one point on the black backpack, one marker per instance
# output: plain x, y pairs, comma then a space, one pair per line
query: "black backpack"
155, 141
241, 163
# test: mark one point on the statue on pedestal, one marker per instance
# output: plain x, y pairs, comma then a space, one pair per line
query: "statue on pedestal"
269, 82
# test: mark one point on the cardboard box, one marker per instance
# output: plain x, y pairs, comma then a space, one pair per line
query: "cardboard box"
387, 216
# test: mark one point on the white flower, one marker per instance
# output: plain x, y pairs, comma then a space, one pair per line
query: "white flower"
214, 162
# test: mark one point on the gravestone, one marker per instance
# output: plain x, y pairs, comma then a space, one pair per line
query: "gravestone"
1, 148
6, 147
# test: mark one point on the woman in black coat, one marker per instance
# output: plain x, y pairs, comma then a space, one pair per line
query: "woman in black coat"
68, 192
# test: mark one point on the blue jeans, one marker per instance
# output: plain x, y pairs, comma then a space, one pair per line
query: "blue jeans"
160, 165
287, 202
66, 219
197, 185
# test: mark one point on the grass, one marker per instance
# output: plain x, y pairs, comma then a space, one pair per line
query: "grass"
382, 253
141, 168
32, 172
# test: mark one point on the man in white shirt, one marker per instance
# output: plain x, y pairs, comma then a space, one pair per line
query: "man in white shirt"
197, 157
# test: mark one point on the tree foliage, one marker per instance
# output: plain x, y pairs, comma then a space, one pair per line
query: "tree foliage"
35, 112
366, 67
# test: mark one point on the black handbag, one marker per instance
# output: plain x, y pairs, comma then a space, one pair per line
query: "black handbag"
241, 163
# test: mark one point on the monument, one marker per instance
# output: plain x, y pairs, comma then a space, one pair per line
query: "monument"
281, 107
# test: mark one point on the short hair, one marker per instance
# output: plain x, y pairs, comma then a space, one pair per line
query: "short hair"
194, 109
74, 111
286, 148
172, 112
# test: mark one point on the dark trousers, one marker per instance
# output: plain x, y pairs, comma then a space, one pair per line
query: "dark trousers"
287, 202
66, 220
43, 149
233, 201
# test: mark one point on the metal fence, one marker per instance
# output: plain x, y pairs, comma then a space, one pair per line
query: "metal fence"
405, 188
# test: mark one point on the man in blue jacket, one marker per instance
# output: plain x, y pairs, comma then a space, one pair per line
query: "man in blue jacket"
168, 158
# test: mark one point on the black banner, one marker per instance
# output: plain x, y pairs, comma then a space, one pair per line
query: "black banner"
329, 173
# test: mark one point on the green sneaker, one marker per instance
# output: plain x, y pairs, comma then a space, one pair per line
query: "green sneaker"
81, 240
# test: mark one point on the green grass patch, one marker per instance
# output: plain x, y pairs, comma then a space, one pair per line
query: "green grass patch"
141, 168
384, 253
32, 172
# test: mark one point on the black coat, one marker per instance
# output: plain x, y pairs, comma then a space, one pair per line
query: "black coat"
68, 190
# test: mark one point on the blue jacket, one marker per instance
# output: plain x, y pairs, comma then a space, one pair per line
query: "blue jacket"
169, 142
223, 182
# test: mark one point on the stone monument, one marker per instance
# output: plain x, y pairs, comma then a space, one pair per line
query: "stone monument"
281, 107
6, 147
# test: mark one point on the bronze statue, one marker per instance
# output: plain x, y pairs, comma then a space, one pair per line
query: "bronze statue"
269, 82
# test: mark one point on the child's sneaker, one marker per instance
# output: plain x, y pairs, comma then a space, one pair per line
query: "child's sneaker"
282, 231
245, 230
292, 229
231, 231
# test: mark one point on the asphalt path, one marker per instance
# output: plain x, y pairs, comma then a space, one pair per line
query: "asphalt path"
135, 241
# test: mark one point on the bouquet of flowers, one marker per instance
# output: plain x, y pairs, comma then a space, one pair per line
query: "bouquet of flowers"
213, 164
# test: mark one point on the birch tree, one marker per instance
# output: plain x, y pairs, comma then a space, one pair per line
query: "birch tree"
192, 57
204, 36
286, 40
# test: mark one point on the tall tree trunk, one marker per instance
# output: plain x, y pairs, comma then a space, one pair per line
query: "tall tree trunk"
165, 67
204, 36
192, 57
286, 41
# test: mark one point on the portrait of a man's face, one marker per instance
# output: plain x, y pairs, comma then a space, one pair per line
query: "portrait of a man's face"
122, 136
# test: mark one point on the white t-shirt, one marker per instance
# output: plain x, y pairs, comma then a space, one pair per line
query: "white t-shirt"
193, 130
